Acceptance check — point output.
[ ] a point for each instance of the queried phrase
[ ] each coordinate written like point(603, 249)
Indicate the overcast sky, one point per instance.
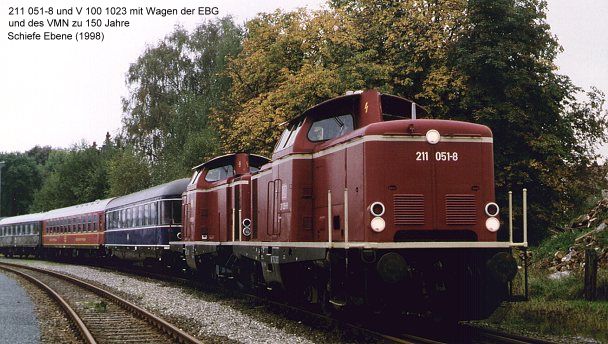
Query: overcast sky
point(58, 93)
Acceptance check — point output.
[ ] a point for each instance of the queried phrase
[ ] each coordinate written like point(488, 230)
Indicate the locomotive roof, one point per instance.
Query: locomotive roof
point(339, 102)
point(176, 187)
point(256, 160)
point(85, 208)
point(21, 219)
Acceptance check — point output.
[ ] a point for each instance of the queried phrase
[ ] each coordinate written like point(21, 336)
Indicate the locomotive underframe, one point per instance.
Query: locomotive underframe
point(459, 282)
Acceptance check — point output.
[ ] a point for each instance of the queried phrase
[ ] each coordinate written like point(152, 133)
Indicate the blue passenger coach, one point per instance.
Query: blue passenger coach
point(141, 225)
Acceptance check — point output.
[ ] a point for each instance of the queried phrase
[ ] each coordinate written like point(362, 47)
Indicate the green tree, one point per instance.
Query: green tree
point(128, 172)
point(40, 154)
point(20, 180)
point(76, 176)
point(172, 88)
point(544, 139)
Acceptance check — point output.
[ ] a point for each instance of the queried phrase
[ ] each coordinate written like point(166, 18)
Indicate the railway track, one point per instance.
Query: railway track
point(463, 333)
point(98, 315)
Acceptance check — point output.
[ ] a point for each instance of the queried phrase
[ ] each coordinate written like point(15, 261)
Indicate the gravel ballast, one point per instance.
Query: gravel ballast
point(202, 315)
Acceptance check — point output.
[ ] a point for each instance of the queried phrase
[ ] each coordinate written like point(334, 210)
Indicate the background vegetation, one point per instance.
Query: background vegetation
point(225, 87)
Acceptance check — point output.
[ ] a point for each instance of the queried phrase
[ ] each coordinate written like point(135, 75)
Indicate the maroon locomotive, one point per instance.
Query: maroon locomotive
point(362, 205)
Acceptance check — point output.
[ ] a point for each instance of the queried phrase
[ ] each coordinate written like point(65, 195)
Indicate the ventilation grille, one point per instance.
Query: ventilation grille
point(409, 209)
point(460, 210)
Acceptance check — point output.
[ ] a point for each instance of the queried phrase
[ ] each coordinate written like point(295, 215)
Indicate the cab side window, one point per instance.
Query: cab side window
point(329, 128)
point(289, 136)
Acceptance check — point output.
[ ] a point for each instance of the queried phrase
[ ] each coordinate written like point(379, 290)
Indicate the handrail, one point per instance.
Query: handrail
point(524, 242)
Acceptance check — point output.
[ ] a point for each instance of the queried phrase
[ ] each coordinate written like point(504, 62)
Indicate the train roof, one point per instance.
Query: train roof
point(85, 208)
point(21, 219)
point(391, 101)
point(176, 187)
point(255, 160)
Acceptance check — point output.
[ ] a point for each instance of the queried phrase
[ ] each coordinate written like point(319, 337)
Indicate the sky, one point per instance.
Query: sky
point(59, 93)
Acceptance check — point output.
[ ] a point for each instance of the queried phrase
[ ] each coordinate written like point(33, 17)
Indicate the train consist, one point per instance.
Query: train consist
point(362, 206)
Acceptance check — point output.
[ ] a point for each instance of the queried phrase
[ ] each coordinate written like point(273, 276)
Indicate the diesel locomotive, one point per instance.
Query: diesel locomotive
point(363, 205)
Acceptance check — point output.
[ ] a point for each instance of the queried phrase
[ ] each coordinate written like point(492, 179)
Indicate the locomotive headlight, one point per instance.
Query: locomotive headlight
point(378, 224)
point(492, 209)
point(433, 136)
point(492, 224)
point(377, 209)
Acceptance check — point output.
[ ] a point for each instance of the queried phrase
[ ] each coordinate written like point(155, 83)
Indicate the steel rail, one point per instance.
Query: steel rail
point(82, 328)
point(497, 336)
point(168, 328)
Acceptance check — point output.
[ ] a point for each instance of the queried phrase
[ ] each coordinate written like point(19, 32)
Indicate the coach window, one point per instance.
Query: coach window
point(154, 213)
point(219, 173)
point(171, 212)
point(329, 128)
point(147, 214)
point(165, 213)
point(140, 221)
point(134, 217)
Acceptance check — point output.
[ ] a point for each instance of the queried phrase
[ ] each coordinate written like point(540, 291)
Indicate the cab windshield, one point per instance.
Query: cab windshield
point(329, 128)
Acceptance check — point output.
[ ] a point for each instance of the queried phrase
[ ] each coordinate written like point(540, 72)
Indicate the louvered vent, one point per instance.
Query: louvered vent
point(409, 209)
point(460, 210)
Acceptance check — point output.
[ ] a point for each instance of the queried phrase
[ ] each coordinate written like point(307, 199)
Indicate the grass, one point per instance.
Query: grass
point(559, 242)
point(557, 306)
point(97, 306)
point(564, 318)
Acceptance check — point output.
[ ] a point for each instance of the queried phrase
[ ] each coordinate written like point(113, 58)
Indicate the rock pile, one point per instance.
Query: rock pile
point(596, 238)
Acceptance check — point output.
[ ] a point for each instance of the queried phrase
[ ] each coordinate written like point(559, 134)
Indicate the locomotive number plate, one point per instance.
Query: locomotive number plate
point(439, 156)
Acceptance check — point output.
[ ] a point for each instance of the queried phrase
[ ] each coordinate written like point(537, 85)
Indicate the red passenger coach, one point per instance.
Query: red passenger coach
point(362, 205)
point(75, 230)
